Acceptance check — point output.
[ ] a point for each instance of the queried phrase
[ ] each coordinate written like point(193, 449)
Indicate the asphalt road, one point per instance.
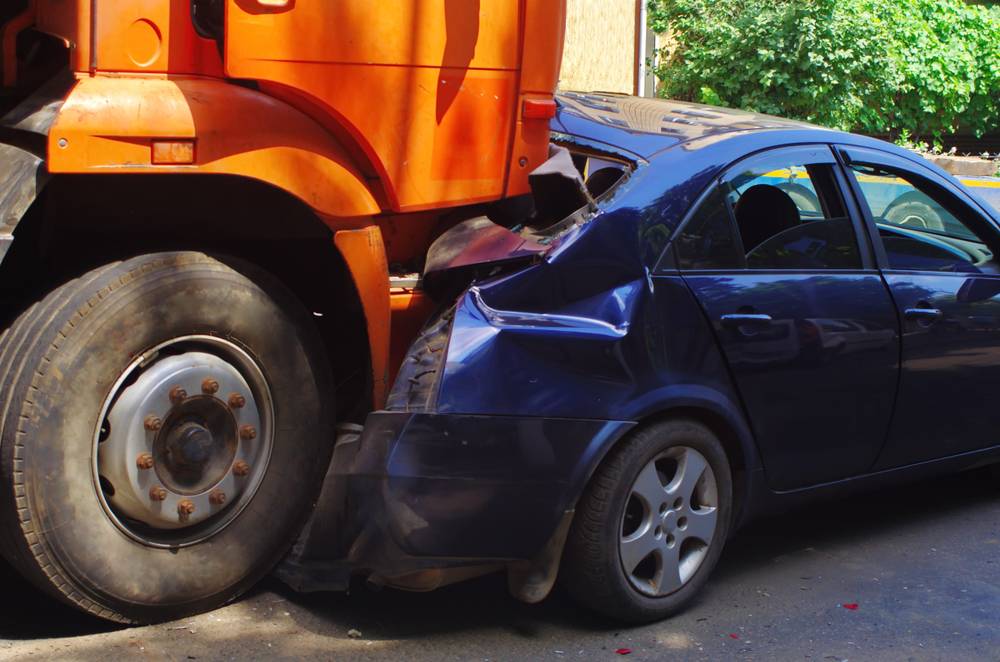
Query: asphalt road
point(922, 564)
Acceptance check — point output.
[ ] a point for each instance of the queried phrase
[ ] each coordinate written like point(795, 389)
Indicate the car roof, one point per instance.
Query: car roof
point(646, 126)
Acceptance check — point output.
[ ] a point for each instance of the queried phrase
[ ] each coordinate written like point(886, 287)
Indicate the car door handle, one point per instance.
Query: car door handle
point(745, 319)
point(922, 314)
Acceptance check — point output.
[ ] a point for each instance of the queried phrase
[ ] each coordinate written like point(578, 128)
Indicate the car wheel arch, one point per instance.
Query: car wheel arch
point(733, 435)
point(732, 432)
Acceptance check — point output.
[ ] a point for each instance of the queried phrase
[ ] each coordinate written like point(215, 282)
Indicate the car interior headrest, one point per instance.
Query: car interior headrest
point(762, 212)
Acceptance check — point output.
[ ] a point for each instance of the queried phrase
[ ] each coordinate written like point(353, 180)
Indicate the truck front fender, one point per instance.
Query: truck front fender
point(195, 125)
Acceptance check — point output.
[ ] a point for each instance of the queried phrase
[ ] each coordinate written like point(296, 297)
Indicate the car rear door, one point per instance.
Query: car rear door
point(800, 311)
point(937, 250)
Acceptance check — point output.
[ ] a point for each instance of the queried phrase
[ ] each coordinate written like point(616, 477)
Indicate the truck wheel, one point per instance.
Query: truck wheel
point(165, 423)
point(651, 524)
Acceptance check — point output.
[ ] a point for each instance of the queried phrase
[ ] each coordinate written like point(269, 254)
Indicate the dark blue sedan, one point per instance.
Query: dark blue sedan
point(703, 315)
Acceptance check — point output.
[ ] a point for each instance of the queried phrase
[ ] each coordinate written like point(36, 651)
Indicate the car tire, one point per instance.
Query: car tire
point(614, 518)
point(92, 350)
point(913, 210)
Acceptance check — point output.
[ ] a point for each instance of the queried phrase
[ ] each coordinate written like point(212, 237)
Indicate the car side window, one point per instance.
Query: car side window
point(709, 239)
point(919, 224)
point(780, 210)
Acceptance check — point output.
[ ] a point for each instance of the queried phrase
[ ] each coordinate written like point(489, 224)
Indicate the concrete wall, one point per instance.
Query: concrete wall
point(599, 51)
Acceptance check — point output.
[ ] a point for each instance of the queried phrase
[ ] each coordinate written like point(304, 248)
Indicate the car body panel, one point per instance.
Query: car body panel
point(818, 413)
point(936, 415)
point(424, 486)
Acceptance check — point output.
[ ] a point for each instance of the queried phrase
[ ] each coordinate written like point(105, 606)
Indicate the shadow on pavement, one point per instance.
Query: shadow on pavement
point(484, 603)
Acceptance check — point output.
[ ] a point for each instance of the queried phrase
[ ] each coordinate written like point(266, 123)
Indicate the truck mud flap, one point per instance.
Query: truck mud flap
point(22, 177)
point(23, 136)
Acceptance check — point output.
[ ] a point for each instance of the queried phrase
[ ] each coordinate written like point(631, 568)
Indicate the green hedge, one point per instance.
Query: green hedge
point(924, 68)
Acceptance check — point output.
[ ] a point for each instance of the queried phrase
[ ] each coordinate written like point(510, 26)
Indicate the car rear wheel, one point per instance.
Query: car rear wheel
point(651, 524)
point(165, 425)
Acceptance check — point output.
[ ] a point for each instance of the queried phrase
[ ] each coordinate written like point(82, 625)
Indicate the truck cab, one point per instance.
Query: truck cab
point(236, 198)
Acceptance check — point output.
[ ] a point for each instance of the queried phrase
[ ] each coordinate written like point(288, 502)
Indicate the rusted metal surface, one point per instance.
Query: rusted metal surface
point(177, 394)
point(185, 508)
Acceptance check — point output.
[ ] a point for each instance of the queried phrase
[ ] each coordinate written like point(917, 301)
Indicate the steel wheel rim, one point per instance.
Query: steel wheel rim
point(668, 522)
point(145, 502)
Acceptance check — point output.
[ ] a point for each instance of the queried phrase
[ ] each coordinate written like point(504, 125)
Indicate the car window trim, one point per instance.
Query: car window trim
point(780, 272)
point(833, 162)
point(849, 154)
point(925, 272)
point(669, 261)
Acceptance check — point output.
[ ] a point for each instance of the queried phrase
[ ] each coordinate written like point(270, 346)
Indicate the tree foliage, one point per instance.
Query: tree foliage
point(929, 67)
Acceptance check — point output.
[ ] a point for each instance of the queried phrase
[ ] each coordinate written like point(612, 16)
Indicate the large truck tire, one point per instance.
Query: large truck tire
point(165, 423)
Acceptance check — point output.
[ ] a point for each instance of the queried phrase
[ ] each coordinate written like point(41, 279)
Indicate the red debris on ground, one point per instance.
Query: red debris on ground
point(853, 606)
point(733, 635)
point(623, 651)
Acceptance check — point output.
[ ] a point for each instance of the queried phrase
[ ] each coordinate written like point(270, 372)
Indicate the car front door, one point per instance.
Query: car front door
point(801, 313)
point(937, 249)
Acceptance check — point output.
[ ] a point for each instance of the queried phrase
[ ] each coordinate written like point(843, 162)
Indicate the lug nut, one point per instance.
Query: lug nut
point(177, 395)
point(185, 508)
point(248, 432)
point(241, 469)
point(157, 493)
point(209, 386)
point(236, 401)
point(152, 423)
point(144, 461)
point(217, 497)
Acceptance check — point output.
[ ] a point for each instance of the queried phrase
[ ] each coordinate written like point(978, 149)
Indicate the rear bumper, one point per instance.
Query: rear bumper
point(420, 491)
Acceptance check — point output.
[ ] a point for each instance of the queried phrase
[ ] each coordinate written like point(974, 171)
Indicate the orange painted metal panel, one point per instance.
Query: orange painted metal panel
point(544, 29)
point(427, 88)
point(69, 20)
point(477, 34)
point(154, 36)
point(109, 125)
point(364, 253)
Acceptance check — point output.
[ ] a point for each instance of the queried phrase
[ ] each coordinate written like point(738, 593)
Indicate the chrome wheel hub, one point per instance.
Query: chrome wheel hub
point(185, 440)
point(669, 521)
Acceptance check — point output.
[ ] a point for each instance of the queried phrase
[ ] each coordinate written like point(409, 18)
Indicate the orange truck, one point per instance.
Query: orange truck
point(244, 189)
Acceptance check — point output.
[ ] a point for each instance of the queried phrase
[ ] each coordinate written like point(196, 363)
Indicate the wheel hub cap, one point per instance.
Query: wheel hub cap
point(196, 446)
point(174, 463)
point(669, 521)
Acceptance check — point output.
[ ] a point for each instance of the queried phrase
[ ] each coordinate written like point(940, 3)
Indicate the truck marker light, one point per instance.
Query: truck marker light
point(539, 109)
point(173, 152)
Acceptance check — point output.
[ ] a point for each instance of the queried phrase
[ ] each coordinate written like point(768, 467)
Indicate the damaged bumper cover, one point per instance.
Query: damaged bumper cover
point(420, 491)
